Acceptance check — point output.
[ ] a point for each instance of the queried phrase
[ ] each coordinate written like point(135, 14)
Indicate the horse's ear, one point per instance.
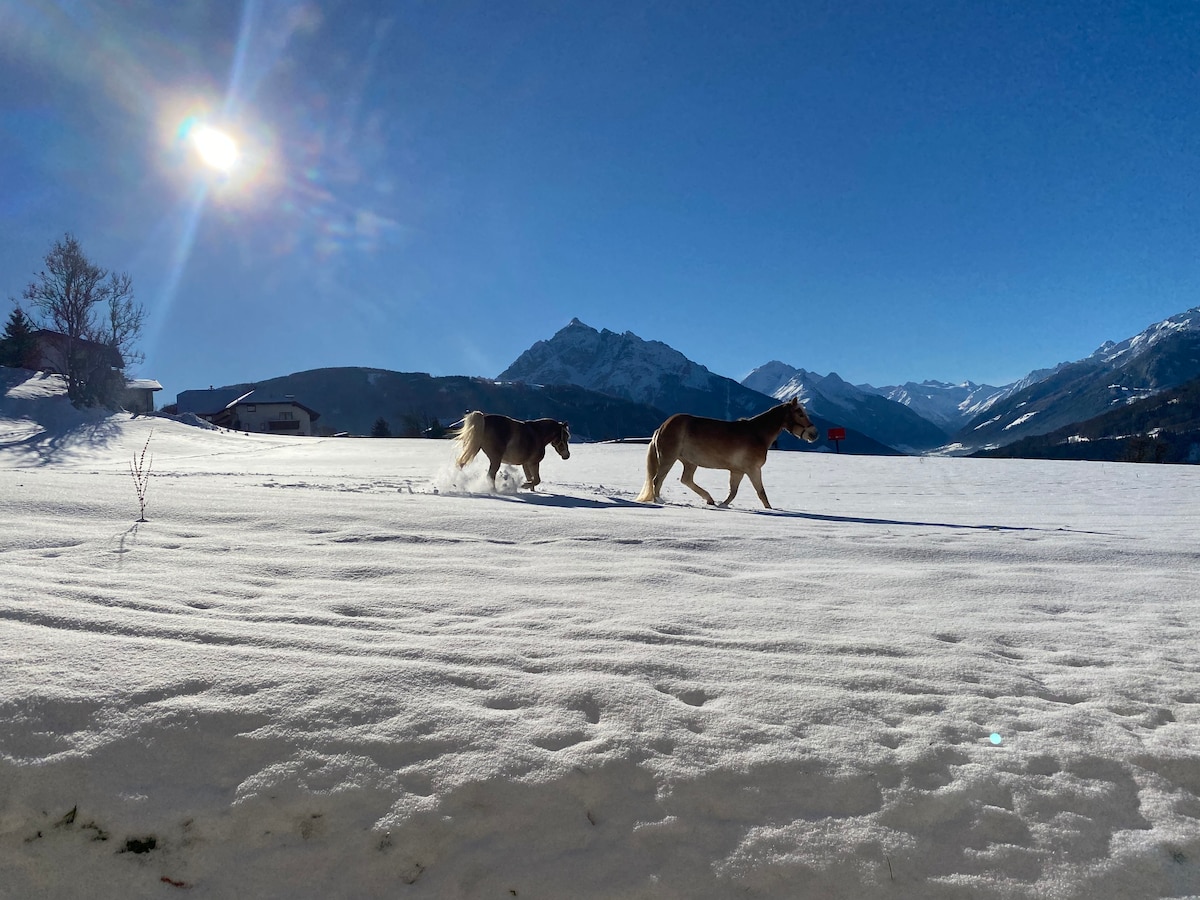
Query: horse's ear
point(795, 401)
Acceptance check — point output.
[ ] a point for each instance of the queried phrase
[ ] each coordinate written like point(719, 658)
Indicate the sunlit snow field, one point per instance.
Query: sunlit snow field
point(336, 668)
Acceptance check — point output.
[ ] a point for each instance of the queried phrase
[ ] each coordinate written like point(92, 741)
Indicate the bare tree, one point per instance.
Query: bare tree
point(95, 313)
point(123, 324)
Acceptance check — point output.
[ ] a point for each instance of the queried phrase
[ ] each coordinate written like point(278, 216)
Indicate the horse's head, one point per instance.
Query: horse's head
point(560, 440)
point(796, 421)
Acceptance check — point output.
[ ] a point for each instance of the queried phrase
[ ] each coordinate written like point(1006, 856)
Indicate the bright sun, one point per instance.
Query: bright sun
point(216, 148)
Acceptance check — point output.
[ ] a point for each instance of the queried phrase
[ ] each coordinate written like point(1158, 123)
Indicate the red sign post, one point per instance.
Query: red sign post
point(836, 434)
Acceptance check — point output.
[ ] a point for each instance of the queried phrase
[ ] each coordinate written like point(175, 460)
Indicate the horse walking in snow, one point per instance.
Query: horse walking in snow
point(511, 441)
point(740, 446)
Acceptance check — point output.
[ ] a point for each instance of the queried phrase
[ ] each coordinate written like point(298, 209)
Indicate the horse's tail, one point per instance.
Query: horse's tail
point(470, 437)
point(652, 463)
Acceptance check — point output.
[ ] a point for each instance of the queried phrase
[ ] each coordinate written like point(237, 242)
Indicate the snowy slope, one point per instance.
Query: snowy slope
point(335, 668)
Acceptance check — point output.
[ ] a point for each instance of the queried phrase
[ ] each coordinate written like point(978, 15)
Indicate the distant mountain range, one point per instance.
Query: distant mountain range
point(1162, 428)
point(650, 372)
point(888, 421)
point(975, 417)
point(619, 386)
point(949, 406)
point(1164, 356)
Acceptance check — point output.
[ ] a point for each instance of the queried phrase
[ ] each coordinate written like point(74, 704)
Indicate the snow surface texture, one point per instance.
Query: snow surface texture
point(324, 668)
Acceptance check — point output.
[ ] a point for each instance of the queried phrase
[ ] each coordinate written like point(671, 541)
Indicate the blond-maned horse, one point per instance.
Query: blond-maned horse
point(740, 446)
point(511, 441)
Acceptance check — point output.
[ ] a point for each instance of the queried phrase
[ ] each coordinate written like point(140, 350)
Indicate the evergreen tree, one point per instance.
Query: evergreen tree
point(18, 346)
point(380, 429)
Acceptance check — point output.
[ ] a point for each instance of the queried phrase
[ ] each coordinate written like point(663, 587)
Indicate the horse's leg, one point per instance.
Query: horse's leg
point(689, 469)
point(533, 476)
point(735, 479)
point(664, 469)
point(494, 468)
point(756, 480)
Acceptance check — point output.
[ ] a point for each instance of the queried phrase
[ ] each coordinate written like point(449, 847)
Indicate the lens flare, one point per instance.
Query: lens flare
point(216, 148)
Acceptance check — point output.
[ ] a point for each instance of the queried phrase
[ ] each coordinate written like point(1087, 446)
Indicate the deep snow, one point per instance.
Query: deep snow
point(337, 668)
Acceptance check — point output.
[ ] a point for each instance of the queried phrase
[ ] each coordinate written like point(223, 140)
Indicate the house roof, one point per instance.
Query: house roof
point(213, 401)
point(143, 384)
point(257, 399)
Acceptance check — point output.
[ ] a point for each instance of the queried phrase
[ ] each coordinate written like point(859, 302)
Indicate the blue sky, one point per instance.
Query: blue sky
point(892, 191)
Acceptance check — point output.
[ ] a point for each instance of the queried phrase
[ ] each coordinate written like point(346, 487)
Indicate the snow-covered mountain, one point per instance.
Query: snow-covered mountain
point(1164, 356)
point(948, 405)
point(770, 378)
point(620, 364)
point(1162, 428)
point(650, 372)
point(910, 417)
point(883, 418)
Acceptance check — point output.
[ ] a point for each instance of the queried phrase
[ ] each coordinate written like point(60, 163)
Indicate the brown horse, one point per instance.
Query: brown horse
point(741, 447)
point(511, 441)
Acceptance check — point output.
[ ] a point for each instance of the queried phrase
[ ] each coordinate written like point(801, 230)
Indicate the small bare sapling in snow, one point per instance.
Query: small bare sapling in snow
point(139, 468)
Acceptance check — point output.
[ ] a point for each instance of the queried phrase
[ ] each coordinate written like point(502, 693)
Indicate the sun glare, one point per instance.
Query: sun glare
point(232, 160)
point(216, 148)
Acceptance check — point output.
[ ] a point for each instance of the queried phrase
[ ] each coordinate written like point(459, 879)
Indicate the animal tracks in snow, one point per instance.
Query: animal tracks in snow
point(689, 696)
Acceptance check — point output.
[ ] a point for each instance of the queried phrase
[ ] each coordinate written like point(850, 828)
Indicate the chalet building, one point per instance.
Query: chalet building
point(139, 395)
point(249, 411)
point(53, 349)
